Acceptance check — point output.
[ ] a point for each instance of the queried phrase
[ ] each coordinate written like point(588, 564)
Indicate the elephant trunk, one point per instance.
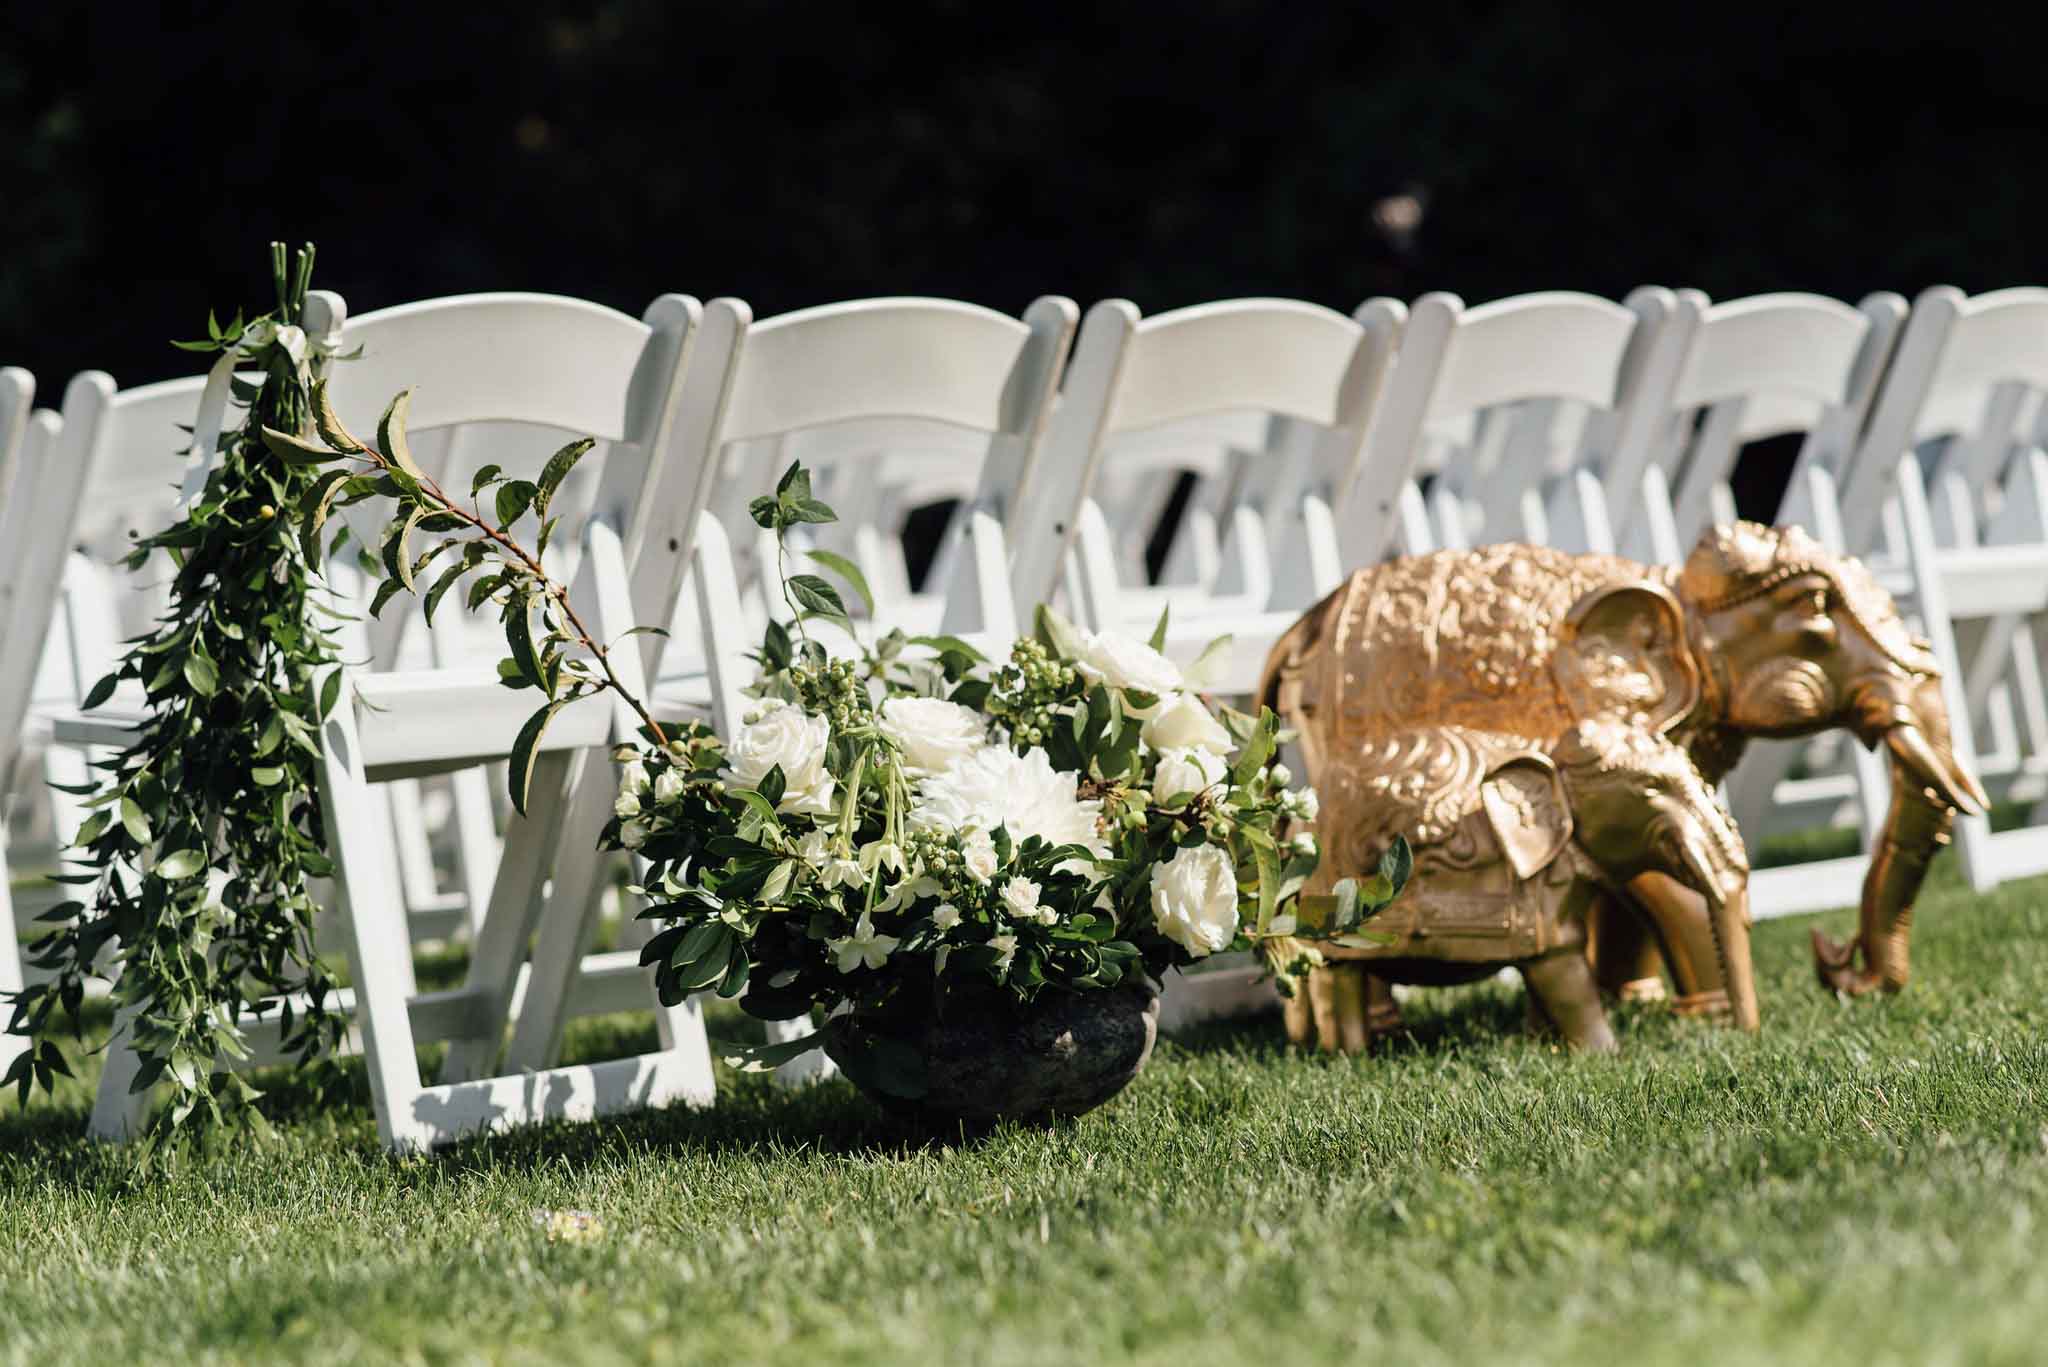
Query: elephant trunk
point(1928, 788)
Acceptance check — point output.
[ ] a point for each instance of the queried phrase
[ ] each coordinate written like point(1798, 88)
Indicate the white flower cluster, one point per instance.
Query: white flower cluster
point(923, 841)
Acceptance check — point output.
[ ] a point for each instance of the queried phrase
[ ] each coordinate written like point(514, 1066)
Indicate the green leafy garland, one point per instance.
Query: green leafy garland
point(207, 828)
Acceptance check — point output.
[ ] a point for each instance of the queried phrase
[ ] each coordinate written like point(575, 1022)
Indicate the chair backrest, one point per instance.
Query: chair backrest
point(921, 360)
point(505, 378)
point(1954, 354)
point(57, 484)
point(1454, 362)
point(1280, 357)
point(541, 360)
point(17, 397)
point(1752, 369)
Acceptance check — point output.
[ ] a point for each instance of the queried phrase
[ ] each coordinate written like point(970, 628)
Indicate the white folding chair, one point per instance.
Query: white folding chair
point(1973, 560)
point(922, 360)
point(1276, 357)
point(17, 398)
point(1565, 368)
point(541, 361)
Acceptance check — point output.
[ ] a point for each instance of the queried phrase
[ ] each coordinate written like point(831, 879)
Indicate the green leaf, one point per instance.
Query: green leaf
point(848, 571)
point(297, 451)
point(133, 819)
point(815, 594)
point(515, 496)
point(557, 468)
point(181, 864)
point(391, 435)
point(1056, 633)
point(314, 507)
point(386, 591)
point(401, 561)
point(442, 585)
point(101, 691)
point(1158, 641)
point(267, 776)
point(519, 637)
point(202, 675)
point(766, 513)
point(519, 771)
point(483, 477)
point(330, 692)
point(329, 423)
point(1198, 675)
point(763, 1058)
point(808, 510)
point(1398, 863)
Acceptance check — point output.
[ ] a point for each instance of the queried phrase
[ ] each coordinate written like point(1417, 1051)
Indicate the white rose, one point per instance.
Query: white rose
point(1280, 775)
point(669, 786)
point(1023, 794)
point(785, 735)
point(932, 732)
point(1020, 899)
point(1304, 843)
point(980, 853)
point(1182, 723)
point(632, 777)
point(1305, 804)
point(632, 835)
point(1122, 662)
point(945, 916)
point(1186, 771)
point(628, 804)
point(1194, 899)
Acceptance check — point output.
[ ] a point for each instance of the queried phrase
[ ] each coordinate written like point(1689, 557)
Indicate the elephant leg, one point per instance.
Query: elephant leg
point(1623, 947)
point(1563, 984)
point(1341, 1006)
point(1685, 930)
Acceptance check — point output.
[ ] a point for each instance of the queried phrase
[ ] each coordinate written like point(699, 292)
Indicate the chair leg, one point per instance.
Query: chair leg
point(476, 842)
point(11, 979)
point(118, 1111)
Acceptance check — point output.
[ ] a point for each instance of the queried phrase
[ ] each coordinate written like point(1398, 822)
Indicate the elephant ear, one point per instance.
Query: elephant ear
point(1622, 657)
point(1525, 804)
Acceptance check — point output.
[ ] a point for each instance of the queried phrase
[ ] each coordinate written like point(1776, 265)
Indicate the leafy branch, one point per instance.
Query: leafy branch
point(204, 834)
point(565, 661)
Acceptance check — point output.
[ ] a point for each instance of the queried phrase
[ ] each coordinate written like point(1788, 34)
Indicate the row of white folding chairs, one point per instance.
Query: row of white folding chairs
point(1103, 387)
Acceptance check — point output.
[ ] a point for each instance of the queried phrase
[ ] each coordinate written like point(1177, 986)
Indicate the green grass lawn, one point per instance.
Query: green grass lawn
point(1864, 1183)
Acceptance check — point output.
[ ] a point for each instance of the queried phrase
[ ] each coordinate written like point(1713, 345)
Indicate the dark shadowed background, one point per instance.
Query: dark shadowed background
point(795, 154)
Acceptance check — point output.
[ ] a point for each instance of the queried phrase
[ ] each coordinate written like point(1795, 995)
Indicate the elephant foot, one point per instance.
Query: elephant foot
point(1835, 966)
point(1642, 990)
point(1341, 1006)
point(1709, 1003)
point(1564, 986)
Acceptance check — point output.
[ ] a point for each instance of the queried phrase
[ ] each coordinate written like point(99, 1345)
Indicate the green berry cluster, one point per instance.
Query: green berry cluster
point(836, 692)
point(935, 856)
point(1034, 685)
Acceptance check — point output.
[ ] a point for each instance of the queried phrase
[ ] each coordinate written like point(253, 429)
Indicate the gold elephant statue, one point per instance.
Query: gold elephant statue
point(1432, 695)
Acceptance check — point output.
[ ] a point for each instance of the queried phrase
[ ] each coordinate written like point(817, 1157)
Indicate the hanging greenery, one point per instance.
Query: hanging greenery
point(205, 832)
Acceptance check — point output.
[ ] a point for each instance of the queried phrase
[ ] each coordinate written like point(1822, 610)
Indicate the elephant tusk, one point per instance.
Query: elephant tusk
point(1956, 785)
point(1702, 869)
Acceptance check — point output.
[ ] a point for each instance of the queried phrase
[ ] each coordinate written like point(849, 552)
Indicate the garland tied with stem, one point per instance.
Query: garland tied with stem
point(206, 830)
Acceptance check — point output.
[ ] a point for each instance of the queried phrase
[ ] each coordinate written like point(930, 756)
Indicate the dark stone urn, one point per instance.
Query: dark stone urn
point(977, 1058)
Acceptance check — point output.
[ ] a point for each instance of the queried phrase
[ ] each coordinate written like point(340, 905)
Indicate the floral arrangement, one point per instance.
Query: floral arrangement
point(909, 822)
point(888, 826)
